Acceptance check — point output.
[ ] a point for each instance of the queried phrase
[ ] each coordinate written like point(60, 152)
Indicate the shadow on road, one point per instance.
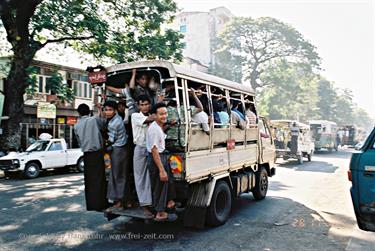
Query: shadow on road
point(341, 153)
point(58, 221)
point(44, 173)
point(313, 166)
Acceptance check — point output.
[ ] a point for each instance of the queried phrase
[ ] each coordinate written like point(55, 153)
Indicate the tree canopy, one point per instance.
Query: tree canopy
point(121, 30)
point(256, 44)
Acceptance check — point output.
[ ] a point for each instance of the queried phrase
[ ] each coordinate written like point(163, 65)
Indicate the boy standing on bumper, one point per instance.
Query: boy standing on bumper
point(140, 122)
point(163, 193)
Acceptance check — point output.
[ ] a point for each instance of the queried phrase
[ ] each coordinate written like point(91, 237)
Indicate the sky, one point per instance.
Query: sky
point(342, 31)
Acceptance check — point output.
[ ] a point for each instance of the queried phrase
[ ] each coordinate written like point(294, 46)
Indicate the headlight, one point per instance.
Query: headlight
point(15, 161)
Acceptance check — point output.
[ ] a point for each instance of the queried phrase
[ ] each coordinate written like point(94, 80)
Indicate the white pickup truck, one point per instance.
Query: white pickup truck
point(43, 154)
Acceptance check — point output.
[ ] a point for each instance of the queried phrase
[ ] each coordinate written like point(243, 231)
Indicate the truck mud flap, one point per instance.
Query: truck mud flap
point(199, 200)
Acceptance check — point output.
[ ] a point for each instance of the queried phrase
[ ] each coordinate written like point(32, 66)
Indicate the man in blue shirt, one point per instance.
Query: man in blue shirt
point(118, 187)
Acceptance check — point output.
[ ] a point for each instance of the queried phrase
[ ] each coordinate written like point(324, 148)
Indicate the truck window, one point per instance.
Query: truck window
point(55, 146)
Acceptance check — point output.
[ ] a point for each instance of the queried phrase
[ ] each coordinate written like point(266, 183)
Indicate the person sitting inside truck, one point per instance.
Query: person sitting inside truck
point(175, 134)
point(220, 115)
point(88, 132)
point(238, 117)
point(201, 118)
point(251, 116)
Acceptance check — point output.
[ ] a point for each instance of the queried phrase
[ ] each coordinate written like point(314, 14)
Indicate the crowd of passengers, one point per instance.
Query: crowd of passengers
point(136, 132)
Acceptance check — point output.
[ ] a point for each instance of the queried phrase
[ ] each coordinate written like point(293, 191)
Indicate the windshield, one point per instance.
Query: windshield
point(38, 146)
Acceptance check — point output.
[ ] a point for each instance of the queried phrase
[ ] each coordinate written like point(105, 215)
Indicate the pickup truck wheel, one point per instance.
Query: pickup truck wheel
point(221, 204)
point(80, 165)
point(261, 184)
point(32, 170)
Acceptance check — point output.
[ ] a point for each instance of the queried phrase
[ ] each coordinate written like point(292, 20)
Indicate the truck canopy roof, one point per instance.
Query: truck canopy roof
point(178, 70)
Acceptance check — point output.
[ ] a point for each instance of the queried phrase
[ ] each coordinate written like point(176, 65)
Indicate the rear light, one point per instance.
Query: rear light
point(176, 163)
point(350, 175)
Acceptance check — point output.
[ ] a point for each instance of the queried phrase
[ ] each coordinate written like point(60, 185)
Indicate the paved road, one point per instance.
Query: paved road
point(308, 207)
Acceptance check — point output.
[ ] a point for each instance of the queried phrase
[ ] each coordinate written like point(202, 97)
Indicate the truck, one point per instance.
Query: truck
point(361, 174)
point(292, 147)
point(209, 169)
point(324, 134)
point(42, 155)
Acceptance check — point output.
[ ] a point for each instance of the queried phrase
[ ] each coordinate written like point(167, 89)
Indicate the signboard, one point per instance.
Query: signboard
point(97, 77)
point(71, 120)
point(60, 120)
point(46, 110)
point(231, 144)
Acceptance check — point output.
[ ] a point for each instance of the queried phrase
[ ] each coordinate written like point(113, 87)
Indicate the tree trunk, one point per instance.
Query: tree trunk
point(14, 89)
point(254, 75)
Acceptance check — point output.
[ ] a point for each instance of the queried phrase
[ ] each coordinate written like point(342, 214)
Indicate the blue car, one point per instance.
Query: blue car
point(362, 175)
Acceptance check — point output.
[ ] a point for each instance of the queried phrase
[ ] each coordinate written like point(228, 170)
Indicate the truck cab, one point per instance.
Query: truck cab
point(362, 176)
point(42, 154)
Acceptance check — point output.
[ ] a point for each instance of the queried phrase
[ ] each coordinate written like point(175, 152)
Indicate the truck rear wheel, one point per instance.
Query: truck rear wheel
point(221, 204)
point(32, 170)
point(261, 184)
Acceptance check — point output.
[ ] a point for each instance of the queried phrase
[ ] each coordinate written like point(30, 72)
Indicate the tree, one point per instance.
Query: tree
point(122, 30)
point(259, 43)
point(292, 93)
point(327, 100)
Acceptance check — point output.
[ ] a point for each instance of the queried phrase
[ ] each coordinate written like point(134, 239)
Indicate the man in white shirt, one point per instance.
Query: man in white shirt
point(163, 193)
point(140, 122)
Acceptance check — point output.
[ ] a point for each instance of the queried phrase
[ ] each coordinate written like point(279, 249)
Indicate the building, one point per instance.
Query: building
point(200, 29)
point(54, 117)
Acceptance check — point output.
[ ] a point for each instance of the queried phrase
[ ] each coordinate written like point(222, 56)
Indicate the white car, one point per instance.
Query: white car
point(43, 154)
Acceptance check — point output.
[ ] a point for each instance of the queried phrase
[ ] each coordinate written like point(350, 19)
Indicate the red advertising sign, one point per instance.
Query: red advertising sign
point(231, 144)
point(97, 77)
point(71, 120)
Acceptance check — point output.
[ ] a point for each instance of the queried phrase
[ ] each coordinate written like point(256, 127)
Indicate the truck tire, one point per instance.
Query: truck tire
point(220, 206)
point(80, 165)
point(32, 170)
point(261, 184)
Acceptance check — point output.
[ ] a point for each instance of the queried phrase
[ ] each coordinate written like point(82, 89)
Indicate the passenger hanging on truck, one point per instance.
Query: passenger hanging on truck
point(140, 124)
point(162, 184)
point(118, 183)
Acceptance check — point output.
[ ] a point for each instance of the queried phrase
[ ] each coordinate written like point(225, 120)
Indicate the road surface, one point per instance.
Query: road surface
point(308, 207)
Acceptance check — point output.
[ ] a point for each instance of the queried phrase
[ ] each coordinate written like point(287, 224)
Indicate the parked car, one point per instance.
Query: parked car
point(43, 154)
point(362, 176)
point(302, 145)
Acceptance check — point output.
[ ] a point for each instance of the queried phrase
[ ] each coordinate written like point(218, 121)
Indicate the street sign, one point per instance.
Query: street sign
point(97, 77)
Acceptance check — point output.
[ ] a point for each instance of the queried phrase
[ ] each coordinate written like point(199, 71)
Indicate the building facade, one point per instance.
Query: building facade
point(64, 115)
point(200, 29)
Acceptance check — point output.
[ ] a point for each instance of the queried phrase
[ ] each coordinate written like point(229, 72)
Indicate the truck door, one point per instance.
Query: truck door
point(56, 155)
point(366, 185)
point(266, 143)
